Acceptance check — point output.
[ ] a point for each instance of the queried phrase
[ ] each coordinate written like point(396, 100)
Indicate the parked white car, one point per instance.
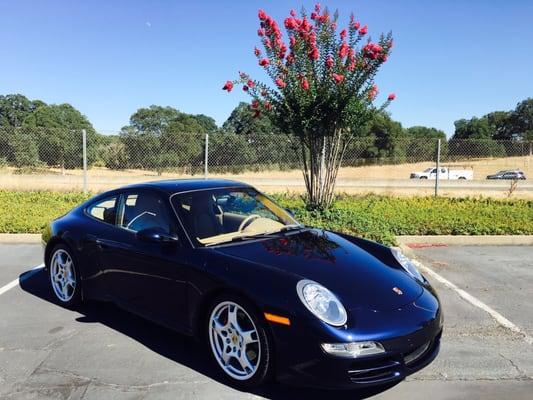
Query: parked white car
point(445, 173)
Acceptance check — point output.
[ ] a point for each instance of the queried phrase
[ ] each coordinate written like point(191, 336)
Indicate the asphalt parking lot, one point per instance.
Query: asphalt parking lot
point(100, 352)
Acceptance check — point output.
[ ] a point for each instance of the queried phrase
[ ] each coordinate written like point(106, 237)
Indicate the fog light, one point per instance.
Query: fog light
point(354, 349)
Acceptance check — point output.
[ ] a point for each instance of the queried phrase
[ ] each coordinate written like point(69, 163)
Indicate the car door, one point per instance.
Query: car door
point(99, 226)
point(509, 175)
point(150, 278)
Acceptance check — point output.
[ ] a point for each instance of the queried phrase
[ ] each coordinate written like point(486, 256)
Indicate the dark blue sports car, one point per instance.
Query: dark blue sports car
point(271, 298)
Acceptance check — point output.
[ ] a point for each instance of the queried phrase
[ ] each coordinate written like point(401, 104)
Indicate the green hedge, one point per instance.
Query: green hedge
point(28, 212)
point(379, 218)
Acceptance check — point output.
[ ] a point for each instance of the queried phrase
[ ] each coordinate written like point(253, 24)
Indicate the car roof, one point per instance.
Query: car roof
point(185, 185)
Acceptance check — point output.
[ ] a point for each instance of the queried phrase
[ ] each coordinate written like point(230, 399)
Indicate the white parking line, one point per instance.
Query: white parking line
point(22, 278)
point(500, 319)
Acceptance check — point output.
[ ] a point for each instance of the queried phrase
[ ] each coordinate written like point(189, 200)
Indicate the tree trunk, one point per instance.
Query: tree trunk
point(321, 158)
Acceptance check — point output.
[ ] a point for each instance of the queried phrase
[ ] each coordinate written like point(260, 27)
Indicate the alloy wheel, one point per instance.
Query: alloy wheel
point(62, 275)
point(234, 340)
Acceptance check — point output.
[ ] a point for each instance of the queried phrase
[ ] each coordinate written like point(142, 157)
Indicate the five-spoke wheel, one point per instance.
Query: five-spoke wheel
point(238, 341)
point(63, 275)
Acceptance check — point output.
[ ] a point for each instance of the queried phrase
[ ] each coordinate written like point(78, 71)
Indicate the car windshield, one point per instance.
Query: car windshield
point(428, 170)
point(228, 214)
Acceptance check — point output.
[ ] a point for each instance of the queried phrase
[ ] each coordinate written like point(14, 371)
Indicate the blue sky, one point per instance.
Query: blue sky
point(452, 58)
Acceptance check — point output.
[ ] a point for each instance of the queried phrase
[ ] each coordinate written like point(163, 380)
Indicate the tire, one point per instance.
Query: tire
point(462, 178)
point(423, 177)
point(246, 365)
point(64, 276)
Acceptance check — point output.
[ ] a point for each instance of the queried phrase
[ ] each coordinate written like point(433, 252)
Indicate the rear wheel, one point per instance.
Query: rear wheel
point(64, 276)
point(238, 341)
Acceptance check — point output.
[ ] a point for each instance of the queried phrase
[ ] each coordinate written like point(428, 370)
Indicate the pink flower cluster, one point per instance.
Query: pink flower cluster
point(272, 34)
point(228, 86)
point(303, 29)
point(372, 51)
point(356, 25)
point(304, 83)
point(338, 78)
point(373, 92)
point(280, 83)
point(317, 17)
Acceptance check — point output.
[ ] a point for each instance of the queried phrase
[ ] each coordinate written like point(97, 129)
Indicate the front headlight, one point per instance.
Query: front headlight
point(321, 302)
point(407, 264)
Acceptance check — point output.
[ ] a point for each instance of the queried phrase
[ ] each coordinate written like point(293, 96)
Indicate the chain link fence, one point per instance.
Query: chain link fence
point(50, 158)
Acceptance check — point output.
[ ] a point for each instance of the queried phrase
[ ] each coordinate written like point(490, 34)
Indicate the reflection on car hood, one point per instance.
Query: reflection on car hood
point(357, 277)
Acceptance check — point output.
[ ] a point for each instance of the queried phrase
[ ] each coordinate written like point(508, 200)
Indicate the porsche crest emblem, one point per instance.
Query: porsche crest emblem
point(398, 291)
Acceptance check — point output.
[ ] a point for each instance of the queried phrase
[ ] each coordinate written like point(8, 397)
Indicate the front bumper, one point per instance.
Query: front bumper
point(410, 336)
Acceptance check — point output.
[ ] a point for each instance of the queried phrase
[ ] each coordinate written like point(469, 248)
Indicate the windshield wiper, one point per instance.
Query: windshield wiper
point(294, 227)
point(266, 235)
point(258, 236)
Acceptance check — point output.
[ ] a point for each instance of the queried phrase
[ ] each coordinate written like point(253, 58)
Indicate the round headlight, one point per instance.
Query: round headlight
point(407, 264)
point(321, 302)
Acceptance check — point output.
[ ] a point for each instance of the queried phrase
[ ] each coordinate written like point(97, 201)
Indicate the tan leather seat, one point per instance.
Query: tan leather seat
point(203, 219)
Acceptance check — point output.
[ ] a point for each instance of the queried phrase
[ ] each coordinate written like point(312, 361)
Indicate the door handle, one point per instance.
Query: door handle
point(92, 239)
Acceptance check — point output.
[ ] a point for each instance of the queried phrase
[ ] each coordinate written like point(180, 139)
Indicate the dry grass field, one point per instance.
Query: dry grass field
point(383, 179)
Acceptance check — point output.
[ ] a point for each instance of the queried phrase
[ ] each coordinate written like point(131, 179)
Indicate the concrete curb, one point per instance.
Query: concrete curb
point(465, 240)
point(407, 240)
point(20, 238)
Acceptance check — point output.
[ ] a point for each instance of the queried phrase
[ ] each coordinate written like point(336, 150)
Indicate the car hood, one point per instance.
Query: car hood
point(356, 276)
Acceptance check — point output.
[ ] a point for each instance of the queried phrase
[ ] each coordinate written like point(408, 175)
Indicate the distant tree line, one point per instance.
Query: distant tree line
point(34, 134)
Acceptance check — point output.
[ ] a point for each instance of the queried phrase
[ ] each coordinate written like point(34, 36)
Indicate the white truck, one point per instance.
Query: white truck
point(445, 173)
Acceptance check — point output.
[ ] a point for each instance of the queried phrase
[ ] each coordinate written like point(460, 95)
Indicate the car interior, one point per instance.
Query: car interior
point(144, 211)
point(140, 211)
point(208, 215)
point(205, 214)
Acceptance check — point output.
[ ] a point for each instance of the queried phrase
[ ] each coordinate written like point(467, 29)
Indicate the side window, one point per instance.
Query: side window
point(105, 210)
point(434, 171)
point(442, 171)
point(144, 210)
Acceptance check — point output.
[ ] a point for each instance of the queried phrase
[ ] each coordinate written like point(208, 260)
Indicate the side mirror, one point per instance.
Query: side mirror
point(156, 235)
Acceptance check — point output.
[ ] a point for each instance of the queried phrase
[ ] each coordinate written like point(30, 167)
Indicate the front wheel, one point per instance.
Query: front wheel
point(239, 342)
point(64, 276)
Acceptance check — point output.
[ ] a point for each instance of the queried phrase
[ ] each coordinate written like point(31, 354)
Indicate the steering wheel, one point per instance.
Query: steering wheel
point(247, 221)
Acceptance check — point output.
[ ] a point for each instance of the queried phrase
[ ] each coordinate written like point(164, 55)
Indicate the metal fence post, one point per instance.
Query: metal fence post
point(84, 150)
point(206, 159)
point(438, 169)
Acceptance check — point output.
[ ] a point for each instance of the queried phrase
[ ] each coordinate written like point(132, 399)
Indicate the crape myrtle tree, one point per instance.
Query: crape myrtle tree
point(323, 89)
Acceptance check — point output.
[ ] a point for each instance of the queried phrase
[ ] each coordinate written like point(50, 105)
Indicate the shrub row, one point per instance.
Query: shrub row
point(378, 218)
point(381, 218)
